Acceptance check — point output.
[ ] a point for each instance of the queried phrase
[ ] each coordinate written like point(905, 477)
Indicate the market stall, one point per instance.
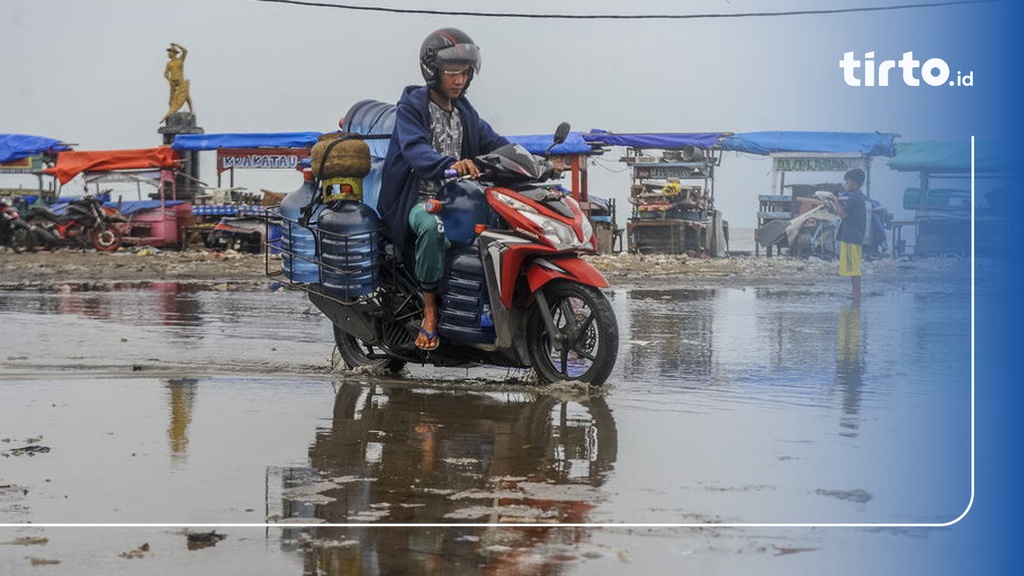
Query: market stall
point(792, 215)
point(672, 191)
point(231, 211)
point(27, 155)
point(155, 220)
point(942, 202)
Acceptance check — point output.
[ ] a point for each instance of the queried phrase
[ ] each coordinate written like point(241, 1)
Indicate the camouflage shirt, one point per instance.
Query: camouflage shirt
point(445, 137)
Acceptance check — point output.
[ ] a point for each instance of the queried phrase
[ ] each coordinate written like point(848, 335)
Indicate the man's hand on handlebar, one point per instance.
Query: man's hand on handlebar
point(466, 167)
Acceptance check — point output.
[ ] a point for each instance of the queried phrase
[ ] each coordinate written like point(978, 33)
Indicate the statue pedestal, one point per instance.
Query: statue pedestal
point(179, 123)
point(188, 177)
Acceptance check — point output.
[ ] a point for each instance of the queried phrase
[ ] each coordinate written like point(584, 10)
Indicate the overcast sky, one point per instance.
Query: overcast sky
point(91, 72)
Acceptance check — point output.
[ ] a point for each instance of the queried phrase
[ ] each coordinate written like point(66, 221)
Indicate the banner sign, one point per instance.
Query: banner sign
point(27, 164)
point(662, 171)
point(260, 158)
point(816, 163)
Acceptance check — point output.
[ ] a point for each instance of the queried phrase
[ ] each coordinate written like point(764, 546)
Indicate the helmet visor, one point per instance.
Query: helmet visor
point(460, 54)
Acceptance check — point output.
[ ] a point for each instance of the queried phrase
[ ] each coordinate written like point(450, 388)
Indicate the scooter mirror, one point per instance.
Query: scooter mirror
point(561, 133)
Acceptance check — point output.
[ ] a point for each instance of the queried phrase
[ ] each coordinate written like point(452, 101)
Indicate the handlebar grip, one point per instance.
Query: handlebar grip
point(451, 173)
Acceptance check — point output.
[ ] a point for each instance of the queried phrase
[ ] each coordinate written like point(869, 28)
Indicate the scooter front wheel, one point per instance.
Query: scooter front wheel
point(585, 340)
point(356, 354)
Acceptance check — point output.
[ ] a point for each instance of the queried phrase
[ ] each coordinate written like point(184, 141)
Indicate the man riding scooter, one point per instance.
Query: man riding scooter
point(436, 130)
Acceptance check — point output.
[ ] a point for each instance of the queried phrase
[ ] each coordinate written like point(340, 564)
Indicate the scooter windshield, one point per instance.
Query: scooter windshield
point(514, 163)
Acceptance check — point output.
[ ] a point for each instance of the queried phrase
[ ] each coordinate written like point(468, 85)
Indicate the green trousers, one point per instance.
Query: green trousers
point(431, 246)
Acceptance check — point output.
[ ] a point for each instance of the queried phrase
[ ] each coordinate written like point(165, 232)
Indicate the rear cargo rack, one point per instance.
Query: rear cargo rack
point(275, 269)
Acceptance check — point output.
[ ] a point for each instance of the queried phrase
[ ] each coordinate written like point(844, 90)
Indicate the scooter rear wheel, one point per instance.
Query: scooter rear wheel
point(356, 354)
point(21, 239)
point(106, 239)
point(587, 339)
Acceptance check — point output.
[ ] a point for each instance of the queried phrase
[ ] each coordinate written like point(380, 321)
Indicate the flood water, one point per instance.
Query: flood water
point(737, 422)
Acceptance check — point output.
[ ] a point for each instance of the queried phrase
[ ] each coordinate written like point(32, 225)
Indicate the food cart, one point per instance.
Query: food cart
point(672, 191)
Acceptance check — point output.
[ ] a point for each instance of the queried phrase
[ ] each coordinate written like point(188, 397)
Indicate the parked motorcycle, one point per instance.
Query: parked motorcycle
point(516, 294)
point(240, 234)
point(15, 233)
point(86, 222)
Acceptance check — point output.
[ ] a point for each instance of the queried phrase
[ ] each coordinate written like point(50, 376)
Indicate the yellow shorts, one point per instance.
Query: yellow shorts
point(849, 259)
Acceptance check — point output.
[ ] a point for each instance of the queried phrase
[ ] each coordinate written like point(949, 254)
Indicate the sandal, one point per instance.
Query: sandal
point(433, 341)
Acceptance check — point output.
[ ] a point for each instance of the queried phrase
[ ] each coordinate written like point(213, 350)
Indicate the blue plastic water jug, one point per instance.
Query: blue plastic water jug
point(298, 242)
point(350, 244)
point(372, 117)
point(465, 206)
point(465, 311)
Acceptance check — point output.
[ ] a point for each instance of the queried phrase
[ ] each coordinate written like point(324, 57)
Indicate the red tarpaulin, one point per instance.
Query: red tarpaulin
point(70, 164)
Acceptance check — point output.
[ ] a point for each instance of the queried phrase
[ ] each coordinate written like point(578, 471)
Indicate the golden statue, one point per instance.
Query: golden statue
point(175, 74)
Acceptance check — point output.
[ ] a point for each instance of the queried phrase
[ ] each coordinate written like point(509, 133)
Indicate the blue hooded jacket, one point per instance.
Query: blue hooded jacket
point(411, 156)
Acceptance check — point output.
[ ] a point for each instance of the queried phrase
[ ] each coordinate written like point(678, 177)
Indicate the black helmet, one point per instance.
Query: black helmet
point(447, 46)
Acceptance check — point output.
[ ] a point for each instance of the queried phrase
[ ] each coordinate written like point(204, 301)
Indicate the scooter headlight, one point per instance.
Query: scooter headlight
point(560, 235)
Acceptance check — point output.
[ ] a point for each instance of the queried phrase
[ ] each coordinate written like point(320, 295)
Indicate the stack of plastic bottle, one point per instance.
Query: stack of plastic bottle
point(215, 210)
point(465, 312)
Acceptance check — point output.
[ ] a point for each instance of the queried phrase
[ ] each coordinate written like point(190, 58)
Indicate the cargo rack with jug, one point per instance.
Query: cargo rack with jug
point(331, 243)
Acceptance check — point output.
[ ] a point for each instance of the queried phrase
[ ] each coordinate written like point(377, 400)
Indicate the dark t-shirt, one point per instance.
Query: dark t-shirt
point(854, 226)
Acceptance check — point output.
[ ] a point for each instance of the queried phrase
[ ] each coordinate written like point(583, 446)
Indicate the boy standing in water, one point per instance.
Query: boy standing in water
point(852, 229)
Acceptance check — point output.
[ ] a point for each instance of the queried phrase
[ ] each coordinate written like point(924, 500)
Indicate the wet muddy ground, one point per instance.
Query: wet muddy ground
point(157, 424)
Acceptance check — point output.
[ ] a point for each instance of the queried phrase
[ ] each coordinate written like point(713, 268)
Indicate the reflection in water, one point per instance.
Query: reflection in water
point(673, 329)
point(147, 303)
point(398, 455)
point(850, 368)
point(182, 400)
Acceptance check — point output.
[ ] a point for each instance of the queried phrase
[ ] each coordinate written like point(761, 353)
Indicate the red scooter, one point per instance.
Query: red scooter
point(85, 222)
point(516, 293)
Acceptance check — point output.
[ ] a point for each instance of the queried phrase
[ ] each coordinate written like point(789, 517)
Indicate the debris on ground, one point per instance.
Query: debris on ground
point(27, 541)
point(141, 552)
point(200, 540)
point(31, 450)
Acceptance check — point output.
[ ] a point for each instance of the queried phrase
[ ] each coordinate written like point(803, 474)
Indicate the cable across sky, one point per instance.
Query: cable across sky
point(555, 16)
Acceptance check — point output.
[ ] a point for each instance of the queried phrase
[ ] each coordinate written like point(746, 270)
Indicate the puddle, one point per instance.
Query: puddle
point(159, 404)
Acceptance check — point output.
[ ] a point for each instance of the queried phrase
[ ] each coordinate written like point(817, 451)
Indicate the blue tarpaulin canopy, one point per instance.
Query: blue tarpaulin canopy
point(243, 140)
point(949, 157)
point(575, 143)
point(764, 143)
point(871, 143)
point(537, 144)
point(667, 141)
point(18, 146)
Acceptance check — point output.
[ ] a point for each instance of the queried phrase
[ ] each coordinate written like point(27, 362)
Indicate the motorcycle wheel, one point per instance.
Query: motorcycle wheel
point(357, 354)
point(106, 239)
point(21, 239)
point(587, 330)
